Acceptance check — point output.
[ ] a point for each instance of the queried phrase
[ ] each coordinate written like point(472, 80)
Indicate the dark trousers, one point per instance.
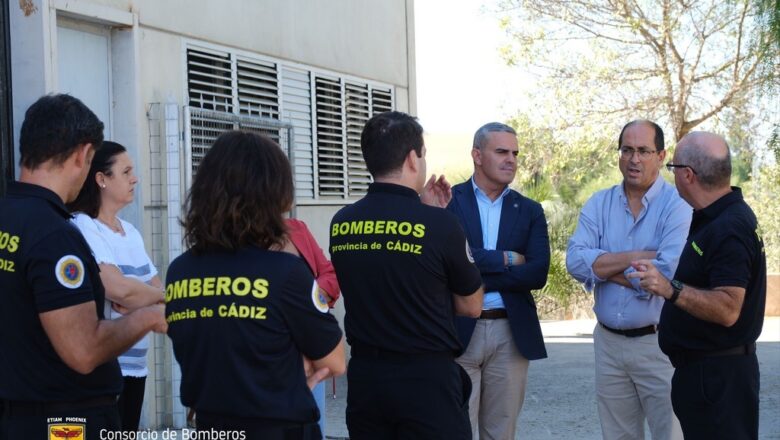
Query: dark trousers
point(257, 429)
point(130, 402)
point(407, 398)
point(717, 397)
point(41, 423)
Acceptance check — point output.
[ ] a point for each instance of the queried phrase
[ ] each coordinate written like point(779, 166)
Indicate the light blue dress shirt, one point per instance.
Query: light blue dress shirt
point(606, 224)
point(490, 219)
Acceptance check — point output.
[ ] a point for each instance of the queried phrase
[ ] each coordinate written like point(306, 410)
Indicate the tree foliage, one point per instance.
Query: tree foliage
point(602, 61)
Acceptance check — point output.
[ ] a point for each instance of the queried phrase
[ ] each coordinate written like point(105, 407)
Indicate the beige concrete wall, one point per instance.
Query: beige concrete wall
point(363, 38)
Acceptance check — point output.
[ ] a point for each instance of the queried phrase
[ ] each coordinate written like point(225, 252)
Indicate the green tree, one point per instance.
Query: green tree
point(609, 61)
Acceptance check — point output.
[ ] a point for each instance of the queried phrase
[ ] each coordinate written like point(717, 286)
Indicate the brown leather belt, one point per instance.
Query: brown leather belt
point(632, 332)
point(493, 314)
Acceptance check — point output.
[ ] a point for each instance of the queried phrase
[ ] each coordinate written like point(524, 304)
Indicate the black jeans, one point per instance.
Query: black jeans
point(413, 398)
point(256, 429)
point(130, 402)
point(717, 397)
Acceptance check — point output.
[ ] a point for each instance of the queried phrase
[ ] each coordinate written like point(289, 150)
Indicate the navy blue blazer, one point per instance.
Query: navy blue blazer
point(523, 229)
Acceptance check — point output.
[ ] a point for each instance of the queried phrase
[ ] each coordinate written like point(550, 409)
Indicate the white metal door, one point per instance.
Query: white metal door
point(84, 68)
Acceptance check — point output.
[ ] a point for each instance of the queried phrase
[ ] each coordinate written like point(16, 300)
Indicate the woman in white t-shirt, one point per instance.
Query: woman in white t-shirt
point(127, 272)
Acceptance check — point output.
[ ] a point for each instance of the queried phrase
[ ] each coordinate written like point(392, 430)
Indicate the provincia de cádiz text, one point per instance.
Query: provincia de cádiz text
point(173, 434)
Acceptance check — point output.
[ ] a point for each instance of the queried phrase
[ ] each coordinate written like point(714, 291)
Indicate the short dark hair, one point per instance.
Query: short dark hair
point(387, 139)
point(54, 126)
point(658, 140)
point(88, 200)
point(480, 137)
point(241, 190)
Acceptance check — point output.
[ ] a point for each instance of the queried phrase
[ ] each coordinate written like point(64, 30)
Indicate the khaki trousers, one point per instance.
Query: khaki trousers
point(633, 382)
point(498, 376)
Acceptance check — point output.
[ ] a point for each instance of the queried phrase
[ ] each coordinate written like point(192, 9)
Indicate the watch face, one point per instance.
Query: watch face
point(677, 285)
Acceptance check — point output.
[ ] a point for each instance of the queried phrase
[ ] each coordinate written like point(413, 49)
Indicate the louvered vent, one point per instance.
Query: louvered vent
point(330, 137)
point(209, 80)
point(358, 113)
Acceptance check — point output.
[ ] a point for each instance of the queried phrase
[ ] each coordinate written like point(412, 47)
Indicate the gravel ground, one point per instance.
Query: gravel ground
point(560, 399)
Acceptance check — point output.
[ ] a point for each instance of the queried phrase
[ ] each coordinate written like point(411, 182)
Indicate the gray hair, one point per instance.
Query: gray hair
point(480, 137)
point(713, 172)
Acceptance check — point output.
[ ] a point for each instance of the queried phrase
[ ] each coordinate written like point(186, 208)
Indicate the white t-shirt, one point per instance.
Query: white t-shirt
point(127, 253)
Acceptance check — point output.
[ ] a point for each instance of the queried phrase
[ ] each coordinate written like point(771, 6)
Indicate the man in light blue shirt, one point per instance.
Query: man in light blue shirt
point(642, 218)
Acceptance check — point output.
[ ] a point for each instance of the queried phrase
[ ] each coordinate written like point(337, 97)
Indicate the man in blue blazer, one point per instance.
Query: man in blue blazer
point(508, 237)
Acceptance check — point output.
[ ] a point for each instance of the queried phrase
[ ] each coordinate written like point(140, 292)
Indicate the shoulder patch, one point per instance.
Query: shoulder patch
point(318, 298)
point(468, 253)
point(69, 271)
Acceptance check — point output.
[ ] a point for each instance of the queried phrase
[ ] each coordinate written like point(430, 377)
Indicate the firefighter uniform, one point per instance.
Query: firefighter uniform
point(45, 265)
point(399, 262)
point(240, 324)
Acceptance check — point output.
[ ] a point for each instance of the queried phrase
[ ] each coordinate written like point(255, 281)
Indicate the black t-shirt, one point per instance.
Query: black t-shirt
point(398, 262)
point(240, 323)
point(724, 248)
point(45, 265)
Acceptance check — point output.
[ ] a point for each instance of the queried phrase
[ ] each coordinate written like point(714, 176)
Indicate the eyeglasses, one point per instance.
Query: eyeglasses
point(628, 152)
point(671, 166)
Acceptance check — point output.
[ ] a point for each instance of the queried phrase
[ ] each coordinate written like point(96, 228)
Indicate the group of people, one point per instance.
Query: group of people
point(436, 283)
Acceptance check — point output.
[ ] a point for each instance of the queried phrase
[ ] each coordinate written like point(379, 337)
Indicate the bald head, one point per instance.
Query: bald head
point(708, 155)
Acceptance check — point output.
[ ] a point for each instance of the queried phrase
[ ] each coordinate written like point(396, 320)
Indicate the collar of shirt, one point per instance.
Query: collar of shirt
point(392, 188)
point(30, 190)
point(650, 195)
point(481, 194)
point(721, 204)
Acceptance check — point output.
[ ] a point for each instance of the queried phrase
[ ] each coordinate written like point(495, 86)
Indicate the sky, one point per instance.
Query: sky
point(462, 82)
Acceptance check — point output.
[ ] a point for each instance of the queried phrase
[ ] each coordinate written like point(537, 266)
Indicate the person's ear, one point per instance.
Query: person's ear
point(411, 160)
point(83, 155)
point(476, 155)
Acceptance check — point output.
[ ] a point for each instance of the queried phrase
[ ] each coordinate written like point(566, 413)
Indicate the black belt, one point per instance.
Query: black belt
point(493, 314)
point(371, 352)
point(682, 358)
point(21, 408)
point(632, 332)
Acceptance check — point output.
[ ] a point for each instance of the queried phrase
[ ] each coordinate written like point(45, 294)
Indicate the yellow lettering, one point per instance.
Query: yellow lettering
point(344, 228)
point(13, 245)
point(419, 230)
point(404, 228)
point(334, 230)
point(391, 227)
point(241, 286)
point(208, 286)
point(368, 227)
point(222, 311)
point(223, 286)
point(232, 311)
point(379, 227)
point(260, 288)
point(195, 287)
point(179, 289)
point(356, 228)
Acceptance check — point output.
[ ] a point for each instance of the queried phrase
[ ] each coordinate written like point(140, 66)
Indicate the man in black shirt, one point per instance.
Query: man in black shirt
point(714, 307)
point(59, 376)
point(404, 268)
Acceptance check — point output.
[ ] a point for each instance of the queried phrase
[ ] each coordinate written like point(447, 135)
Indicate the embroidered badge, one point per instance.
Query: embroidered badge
point(70, 271)
point(468, 253)
point(319, 298)
point(69, 432)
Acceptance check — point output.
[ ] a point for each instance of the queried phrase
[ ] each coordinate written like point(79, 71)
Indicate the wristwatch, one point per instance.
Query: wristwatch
point(677, 287)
